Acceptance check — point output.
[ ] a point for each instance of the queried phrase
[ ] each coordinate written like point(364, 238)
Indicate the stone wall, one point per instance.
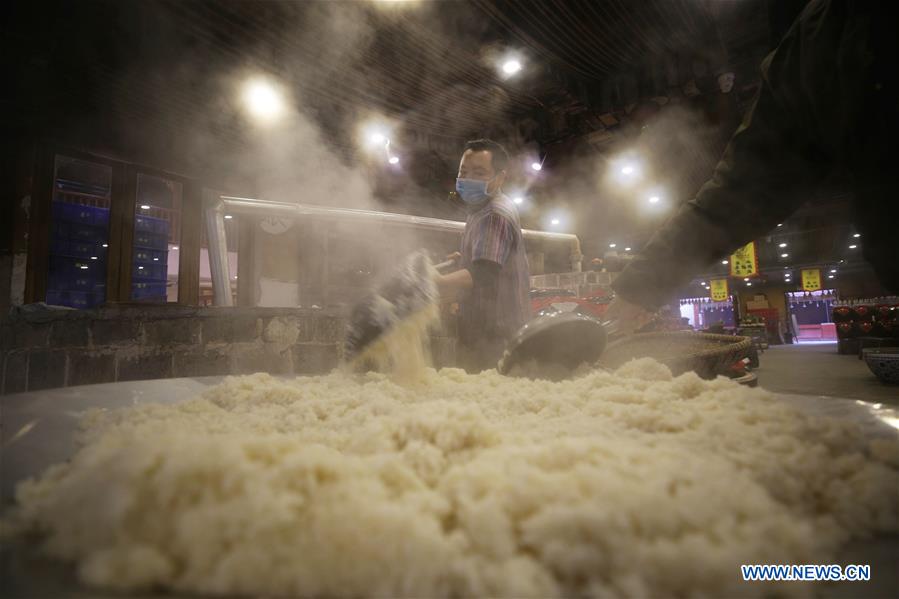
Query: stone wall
point(42, 349)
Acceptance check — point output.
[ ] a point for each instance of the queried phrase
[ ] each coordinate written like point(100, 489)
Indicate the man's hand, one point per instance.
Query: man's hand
point(455, 256)
point(627, 317)
point(451, 286)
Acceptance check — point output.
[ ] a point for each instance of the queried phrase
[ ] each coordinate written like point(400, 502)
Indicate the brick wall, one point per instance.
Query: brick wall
point(46, 349)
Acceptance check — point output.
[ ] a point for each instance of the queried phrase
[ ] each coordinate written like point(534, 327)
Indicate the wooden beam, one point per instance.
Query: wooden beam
point(39, 225)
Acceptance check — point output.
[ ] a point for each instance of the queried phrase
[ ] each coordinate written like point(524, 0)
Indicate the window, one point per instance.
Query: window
point(157, 239)
point(79, 233)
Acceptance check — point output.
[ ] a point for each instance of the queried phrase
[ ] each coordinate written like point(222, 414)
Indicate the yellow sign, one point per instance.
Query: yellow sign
point(718, 289)
point(811, 279)
point(744, 262)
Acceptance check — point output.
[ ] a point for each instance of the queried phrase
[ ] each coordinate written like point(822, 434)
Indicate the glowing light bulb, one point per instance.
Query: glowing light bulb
point(518, 199)
point(393, 160)
point(653, 199)
point(536, 166)
point(262, 100)
point(510, 67)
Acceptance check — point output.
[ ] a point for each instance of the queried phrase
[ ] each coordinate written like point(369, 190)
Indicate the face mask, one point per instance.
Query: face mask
point(472, 191)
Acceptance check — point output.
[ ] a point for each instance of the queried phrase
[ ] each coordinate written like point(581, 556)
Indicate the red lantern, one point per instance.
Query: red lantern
point(844, 329)
point(864, 312)
point(842, 314)
point(865, 327)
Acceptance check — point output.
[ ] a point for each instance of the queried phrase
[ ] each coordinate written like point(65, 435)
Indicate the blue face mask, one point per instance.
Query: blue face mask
point(472, 191)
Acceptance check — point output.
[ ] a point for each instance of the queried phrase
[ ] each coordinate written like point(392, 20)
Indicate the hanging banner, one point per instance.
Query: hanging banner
point(744, 262)
point(811, 279)
point(718, 290)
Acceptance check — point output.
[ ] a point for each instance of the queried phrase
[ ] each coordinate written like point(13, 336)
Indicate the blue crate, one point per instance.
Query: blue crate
point(149, 256)
point(151, 224)
point(85, 215)
point(149, 272)
point(73, 274)
point(153, 241)
point(74, 299)
point(77, 249)
point(87, 233)
point(145, 291)
point(86, 249)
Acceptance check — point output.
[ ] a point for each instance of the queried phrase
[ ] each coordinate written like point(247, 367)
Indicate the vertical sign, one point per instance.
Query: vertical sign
point(718, 290)
point(744, 262)
point(811, 279)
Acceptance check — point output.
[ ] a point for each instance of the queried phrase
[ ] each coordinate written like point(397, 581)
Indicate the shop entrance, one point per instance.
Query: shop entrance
point(810, 315)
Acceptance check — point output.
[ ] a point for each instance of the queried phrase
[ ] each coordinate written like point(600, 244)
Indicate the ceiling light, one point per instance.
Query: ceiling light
point(83, 267)
point(106, 245)
point(228, 217)
point(782, 245)
point(785, 255)
point(833, 270)
point(175, 247)
point(393, 160)
point(853, 246)
point(627, 249)
point(611, 245)
point(263, 100)
point(780, 224)
point(93, 258)
point(510, 67)
point(536, 166)
point(746, 279)
point(155, 259)
point(627, 170)
point(555, 221)
point(725, 262)
point(377, 138)
point(654, 199)
point(857, 235)
point(518, 199)
point(144, 207)
point(749, 284)
point(829, 276)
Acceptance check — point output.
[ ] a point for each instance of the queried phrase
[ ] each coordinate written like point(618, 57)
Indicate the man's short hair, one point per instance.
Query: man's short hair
point(499, 158)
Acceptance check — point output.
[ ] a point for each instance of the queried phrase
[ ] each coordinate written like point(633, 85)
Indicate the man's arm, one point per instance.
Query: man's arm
point(493, 242)
point(767, 171)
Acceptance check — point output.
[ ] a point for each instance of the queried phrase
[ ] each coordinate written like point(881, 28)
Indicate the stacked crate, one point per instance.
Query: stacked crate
point(77, 269)
point(150, 262)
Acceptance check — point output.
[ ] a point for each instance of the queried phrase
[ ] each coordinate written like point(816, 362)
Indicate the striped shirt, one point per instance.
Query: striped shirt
point(493, 233)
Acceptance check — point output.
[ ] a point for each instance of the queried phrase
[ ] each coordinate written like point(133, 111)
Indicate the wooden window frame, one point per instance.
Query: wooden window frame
point(121, 225)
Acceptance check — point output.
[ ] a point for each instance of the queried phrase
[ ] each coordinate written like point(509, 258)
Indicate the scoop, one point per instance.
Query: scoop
point(565, 340)
point(408, 291)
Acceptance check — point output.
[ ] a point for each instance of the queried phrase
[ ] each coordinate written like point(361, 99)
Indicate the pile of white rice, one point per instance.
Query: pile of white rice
point(627, 484)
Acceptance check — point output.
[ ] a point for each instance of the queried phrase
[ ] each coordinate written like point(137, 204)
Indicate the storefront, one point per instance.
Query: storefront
point(810, 314)
point(703, 313)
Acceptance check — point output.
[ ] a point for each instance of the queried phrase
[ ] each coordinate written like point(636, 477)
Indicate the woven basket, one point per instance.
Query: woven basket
point(682, 351)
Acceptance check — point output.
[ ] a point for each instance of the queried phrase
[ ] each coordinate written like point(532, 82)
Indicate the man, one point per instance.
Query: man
point(492, 284)
point(827, 106)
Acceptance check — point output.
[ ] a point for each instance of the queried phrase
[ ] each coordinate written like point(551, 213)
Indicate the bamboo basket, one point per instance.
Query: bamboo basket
point(682, 351)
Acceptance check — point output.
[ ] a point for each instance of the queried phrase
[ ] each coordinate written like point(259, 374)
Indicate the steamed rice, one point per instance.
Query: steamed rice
point(631, 483)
